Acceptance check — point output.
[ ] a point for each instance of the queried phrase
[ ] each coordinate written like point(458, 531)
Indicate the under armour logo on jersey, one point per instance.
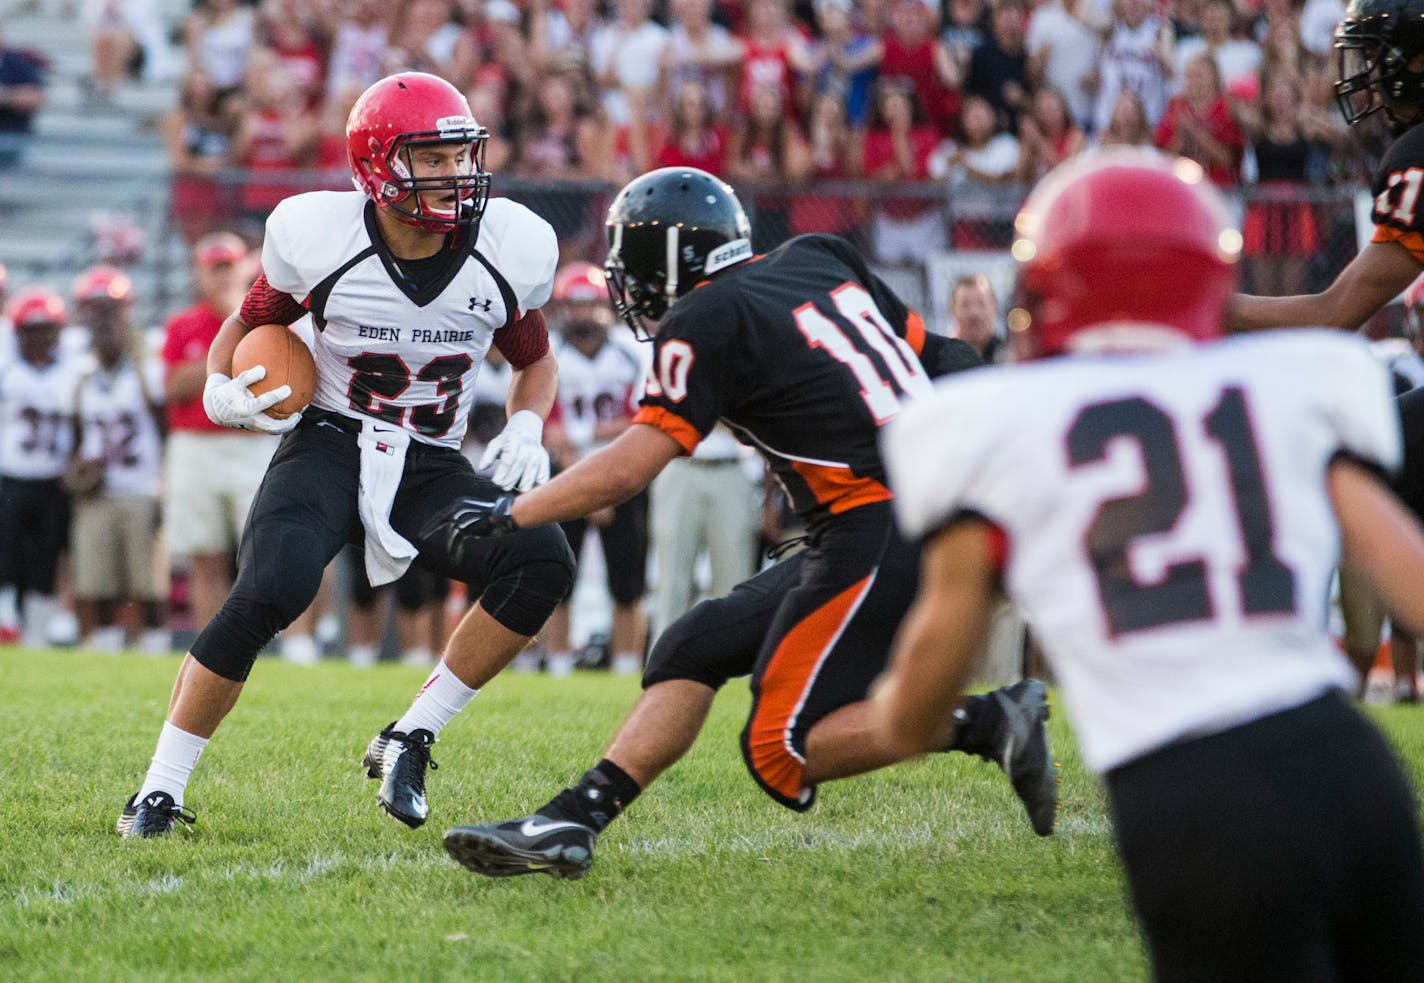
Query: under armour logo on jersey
point(484, 305)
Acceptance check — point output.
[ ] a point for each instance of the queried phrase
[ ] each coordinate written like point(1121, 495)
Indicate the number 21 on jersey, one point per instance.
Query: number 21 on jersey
point(1266, 586)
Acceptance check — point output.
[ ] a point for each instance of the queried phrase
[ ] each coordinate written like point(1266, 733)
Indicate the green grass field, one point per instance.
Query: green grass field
point(925, 872)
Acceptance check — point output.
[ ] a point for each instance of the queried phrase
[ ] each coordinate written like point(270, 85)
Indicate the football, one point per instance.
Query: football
point(288, 360)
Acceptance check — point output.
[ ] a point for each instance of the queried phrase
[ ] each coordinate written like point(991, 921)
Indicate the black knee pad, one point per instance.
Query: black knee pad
point(229, 644)
point(259, 606)
point(413, 589)
point(528, 579)
point(627, 584)
point(696, 647)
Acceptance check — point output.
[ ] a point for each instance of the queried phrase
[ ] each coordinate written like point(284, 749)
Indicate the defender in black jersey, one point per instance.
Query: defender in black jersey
point(1380, 46)
point(805, 354)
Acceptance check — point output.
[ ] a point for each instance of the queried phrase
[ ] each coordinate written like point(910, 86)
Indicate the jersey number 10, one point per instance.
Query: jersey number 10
point(1266, 584)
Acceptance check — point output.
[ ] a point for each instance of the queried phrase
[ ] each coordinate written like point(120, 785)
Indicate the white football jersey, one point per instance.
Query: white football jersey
point(1170, 538)
point(595, 390)
point(37, 418)
point(382, 352)
point(116, 424)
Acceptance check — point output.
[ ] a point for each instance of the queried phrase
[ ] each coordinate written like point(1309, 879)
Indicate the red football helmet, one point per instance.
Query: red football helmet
point(580, 281)
point(396, 115)
point(103, 282)
point(1121, 246)
point(36, 305)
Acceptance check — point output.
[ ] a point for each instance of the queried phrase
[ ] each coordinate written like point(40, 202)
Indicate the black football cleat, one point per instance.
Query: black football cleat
point(402, 791)
point(1022, 750)
point(152, 816)
point(533, 845)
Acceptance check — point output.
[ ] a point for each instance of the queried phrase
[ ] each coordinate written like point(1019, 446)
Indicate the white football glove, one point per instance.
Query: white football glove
point(517, 454)
point(229, 403)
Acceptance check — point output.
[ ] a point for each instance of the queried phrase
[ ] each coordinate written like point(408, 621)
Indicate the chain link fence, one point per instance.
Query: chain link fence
point(918, 235)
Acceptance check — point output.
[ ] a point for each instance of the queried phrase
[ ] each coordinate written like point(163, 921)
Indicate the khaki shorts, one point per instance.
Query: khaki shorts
point(114, 549)
point(210, 480)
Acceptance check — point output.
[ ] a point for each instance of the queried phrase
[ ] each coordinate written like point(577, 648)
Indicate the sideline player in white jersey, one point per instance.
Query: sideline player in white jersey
point(600, 381)
point(1168, 517)
point(409, 281)
point(117, 471)
point(36, 438)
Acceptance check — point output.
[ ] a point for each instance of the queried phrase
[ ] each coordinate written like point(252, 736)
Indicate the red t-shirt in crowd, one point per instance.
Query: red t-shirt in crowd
point(709, 154)
point(189, 335)
point(1218, 125)
point(879, 150)
point(940, 104)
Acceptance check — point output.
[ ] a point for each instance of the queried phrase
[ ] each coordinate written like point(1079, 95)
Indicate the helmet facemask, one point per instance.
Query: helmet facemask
point(634, 298)
point(1374, 76)
point(405, 194)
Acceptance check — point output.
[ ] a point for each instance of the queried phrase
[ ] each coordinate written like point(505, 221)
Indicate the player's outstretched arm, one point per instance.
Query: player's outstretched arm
point(1372, 279)
point(1380, 540)
point(944, 631)
point(609, 477)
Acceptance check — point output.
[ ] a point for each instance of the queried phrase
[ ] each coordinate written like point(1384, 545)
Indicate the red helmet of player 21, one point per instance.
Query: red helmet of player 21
point(1146, 217)
point(390, 122)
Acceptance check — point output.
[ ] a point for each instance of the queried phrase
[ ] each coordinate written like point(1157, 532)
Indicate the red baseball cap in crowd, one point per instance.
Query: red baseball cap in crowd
point(219, 247)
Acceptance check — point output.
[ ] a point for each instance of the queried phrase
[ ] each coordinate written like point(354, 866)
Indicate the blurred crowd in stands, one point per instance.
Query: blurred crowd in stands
point(946, 99)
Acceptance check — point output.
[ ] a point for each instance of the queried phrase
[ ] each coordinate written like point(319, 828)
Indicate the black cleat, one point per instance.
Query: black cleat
point(1022, 750)
point(402, 791)
point(533, 845)
point(153, 816)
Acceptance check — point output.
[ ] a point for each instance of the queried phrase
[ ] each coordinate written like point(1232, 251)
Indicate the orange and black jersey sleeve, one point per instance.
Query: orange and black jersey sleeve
point(1398, 212)
point(805, 354)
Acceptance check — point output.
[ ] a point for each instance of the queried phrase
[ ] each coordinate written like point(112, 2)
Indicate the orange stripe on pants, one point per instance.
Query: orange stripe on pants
point(789, 674)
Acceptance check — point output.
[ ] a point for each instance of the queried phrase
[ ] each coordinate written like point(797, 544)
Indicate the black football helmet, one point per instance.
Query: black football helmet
point(1380, 46)
point(667, 232)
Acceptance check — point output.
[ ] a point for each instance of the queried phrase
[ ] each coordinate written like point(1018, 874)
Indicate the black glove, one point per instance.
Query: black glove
point(471, 518)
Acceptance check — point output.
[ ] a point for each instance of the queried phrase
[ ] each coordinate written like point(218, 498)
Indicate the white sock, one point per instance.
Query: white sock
point(300, 650)
point(173, 760)
point(560, 664)
point(328, 630)
point(626, 664)
point(38, 609)
point(109, 638)
point(442, 696)
point(9, 607)
point(417, 658)
point(362, 656)
point(155, 641)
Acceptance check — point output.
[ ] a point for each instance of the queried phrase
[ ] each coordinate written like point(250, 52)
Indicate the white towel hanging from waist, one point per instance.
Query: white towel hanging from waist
point(383, 446)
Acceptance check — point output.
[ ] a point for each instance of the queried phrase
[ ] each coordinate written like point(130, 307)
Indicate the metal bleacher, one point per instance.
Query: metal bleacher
point(88, 160)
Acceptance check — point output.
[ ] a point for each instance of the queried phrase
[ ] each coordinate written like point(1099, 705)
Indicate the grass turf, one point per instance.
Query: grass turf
point(923, 872)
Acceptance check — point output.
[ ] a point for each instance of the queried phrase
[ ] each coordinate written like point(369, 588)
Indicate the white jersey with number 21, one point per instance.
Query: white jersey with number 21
point(1170, 538)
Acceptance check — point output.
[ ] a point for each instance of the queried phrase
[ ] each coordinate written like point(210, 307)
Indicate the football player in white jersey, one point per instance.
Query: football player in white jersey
point(599, 385)
point(117, 469)
point(409, 281)
point(1168, 516)
point(36, 437)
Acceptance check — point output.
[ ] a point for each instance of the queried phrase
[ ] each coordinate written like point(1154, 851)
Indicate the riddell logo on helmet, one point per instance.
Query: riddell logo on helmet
point(454, 124)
